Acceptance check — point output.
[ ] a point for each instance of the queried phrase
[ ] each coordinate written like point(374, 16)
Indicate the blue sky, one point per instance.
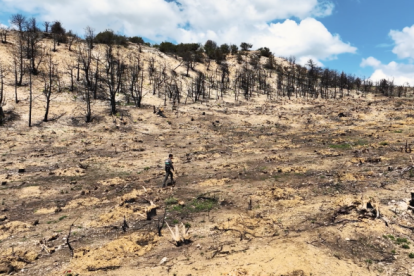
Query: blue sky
point(362, 37)
point(366, 24)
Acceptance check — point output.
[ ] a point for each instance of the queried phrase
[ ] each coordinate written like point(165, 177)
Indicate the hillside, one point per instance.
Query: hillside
point(267, 182)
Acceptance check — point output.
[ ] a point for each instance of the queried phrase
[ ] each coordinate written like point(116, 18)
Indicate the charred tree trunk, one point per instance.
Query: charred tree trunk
point(88, 105)
point(30, 99)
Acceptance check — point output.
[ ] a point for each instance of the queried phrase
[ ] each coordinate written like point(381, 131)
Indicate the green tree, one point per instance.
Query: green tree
point(245, 46)
point(58, 34)
point(137, 40)
point(108, 37)
point(234, 49)
point(225, 49)
point(57, 28)
point(167, 47)
point(210, 48)
point(265, 52)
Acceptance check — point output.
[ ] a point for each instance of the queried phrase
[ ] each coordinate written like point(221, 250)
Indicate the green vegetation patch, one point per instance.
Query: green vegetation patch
point(349, 145)
point(340, 146)
point(197, 205)
point(171, 201)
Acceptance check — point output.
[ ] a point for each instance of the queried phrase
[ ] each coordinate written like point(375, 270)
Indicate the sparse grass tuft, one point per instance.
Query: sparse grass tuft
point(361, 142)
point(178, 208)
point(340, 146)
point(171, 201)
point(203, 205)
point(368, 261)
point(411, 173)
point(401, 240)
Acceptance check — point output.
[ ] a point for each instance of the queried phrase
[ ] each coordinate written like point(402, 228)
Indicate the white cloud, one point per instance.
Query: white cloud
point(308, 39)
point(404, 42)
point(198, 20)
point(371, 61)
point(399, 72)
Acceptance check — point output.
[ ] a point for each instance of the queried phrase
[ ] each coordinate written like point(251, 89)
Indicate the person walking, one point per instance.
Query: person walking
point(168, 167)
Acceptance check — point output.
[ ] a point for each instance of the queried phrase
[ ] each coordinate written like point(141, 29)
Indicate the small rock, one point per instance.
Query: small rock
point(36, 222)
point(347, 239)
point(181, 203)
point(3, 218)
point(164, 260)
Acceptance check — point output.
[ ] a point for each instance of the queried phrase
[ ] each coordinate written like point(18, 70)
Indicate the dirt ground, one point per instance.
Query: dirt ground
point(299, 187)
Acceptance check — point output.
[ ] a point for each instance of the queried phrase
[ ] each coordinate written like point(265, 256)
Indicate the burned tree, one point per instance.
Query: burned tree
point(89, 37)
point(70, 67)
point(86, 95)
point(114, 71)
point(34, 51)
point(18, 20)
point(198, 87)
point(135, 78)
point(72, 39)
point(46, 24)
point(3, 71)
point(30, 98)
point(245, 80)
point(4, 31)
point(84, 62)
point(49, 77)
point(18, 69)
point(96, 77)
